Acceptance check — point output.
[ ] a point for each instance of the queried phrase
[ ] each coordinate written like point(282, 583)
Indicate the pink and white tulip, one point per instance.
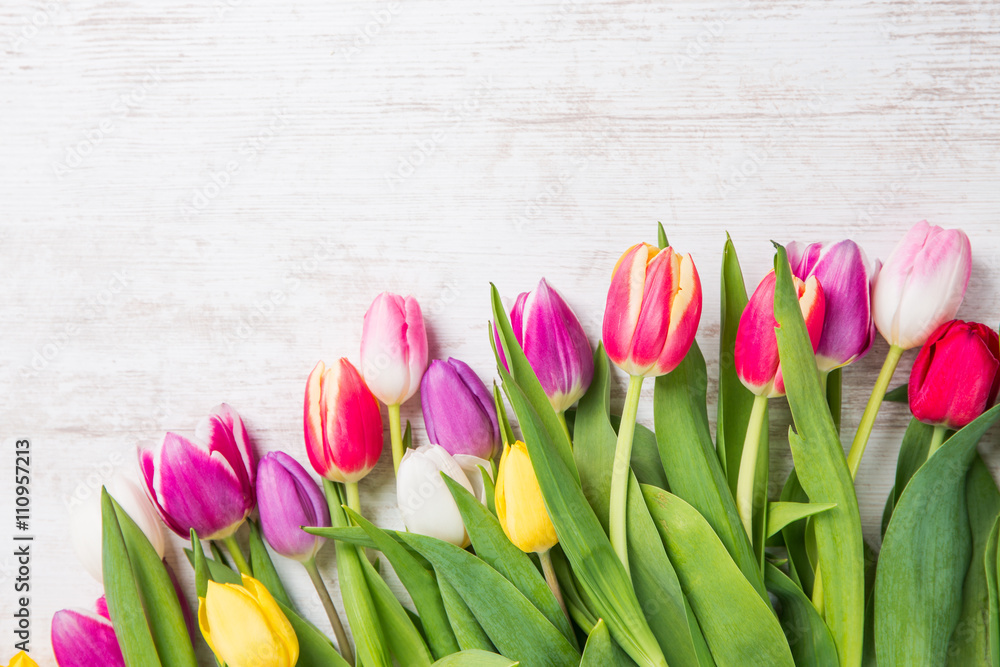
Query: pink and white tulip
point(652, 312)
point(85, 638)
point(288, 499)
point(756, 353)
point(343, 423)
point(205, 482)
point(922, 284)
point(393, 348)
point(846, 276)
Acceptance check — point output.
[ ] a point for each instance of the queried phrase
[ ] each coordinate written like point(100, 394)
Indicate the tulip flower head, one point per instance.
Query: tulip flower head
point(519, 502)
point(424, 500)
point(86, 524)
point(756, 353)
point(393, 347)
point(555, 344)
point(288, 499)
point(459, 413)
point(205, 482)
point(22, 659)
point(343, 424)
point(922, 284)
point(846, 276)
point(653, 309)
point(245, 627)
point(956, 375)
point(85, 638)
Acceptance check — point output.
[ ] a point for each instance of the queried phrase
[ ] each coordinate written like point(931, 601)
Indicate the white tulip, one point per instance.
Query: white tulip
point(470, 465)
point(425, 502)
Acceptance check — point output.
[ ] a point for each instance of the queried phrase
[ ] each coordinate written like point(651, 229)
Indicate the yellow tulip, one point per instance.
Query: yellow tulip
point(245, 627)
point(22, 659)
point(520, 507)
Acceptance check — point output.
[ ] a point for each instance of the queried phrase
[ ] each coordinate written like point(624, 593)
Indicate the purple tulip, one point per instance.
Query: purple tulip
point(555, 344)
point(846, 277)
point(205, 482)
point(458, 410)
point(85, 638)
point(288, 498)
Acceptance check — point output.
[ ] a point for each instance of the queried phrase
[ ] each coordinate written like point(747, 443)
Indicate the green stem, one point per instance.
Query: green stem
point(331, 612)
point(396, 436)
point(353, 496)
point(871, 410)
point(565, 426)
point(551, 580)
point(937, 439)
point(620, 469)
point(748, 463)
point(234, 550)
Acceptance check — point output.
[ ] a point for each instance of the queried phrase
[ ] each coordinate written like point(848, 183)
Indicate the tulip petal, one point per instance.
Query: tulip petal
point(288, 499)
point(237, 630)
point(352, 424)
point(685, 313)
point(756, 352)
point(427, 506)
point(662, 280)
point(458, 409)
point(84, 639)
point(621, 313)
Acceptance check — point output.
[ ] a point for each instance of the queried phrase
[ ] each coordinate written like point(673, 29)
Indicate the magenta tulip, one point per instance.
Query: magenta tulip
point(955, 377)
point(206, 482)
point(652, 312)
point(393, 348)
point(85, 638)
point(343, 424)
point(288, 499)
point(757, 363)
point(458, 410)
point(846, 276)
point(922, 284)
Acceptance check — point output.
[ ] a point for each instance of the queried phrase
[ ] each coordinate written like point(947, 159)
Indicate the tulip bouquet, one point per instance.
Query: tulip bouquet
point(593, 540)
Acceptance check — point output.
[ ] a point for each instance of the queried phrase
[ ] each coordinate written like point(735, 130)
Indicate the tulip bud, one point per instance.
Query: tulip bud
point(520, 506)
point(922, 284)
point(555, 344)
point(756, 353)
point(343, 425)
point(846, 276)
point(652, 312)
point(426, 503)
point(85, 638)
point(245, 627)
point(955, 376)
point(393, 348)
point(470, 465)
point(206, 482)
point(86, 521)
point(458, 410)
point(22, 659)
point(288, 499)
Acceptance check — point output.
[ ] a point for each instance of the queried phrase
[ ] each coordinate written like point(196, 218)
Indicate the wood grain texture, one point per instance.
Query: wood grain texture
point(200, 199)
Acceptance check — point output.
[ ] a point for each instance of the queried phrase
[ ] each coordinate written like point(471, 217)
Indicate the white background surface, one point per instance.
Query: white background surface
point(249, 175)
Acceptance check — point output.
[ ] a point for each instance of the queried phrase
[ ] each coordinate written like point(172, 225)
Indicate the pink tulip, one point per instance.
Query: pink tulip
point(846, 276)
point(343, 424)
point(652, 312)
point(85, 638)
point(757, 363)
point(459, 412)
point(922, 284)
point(393, 348)
point(955, 377)
point(205, 482)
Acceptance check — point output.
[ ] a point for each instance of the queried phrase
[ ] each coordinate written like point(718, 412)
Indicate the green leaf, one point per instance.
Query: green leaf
point(407, 436)
point(656, 584)
point(523, 375)
point(992, 566)
point(601, 575)
point(925, 554)
point(493, 547)
point(661, 236)
point(595, 439)
point(575, 605)
point(912, 454)
point(794, 537)
point(197, 557)
point(468, 632)
point(263, 567)
point(156, 590)
point(693, 470)
point(401, 635)
point(808, 637)
point(821, 469)
point(420, 583)
point(490, 490)
point(218, 554)
point(970, 642)
point(834, 394)
point(315, 649)
point(645, 462)
point(898, 395)
point(513, 624)
point(780, 514)
point(122, 593)
point(475, 658)
point(740, 628)
point(735, 401)
point(601, 650)
point(505, 430)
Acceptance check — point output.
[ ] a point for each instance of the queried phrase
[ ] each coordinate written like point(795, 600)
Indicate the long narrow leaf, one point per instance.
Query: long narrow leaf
point(469, 634)
point(912, 454)
point(263, 567)
point(601, 651)
point(735, 401)
point(780, 514)
point(401, 635)
point(808, 637)
point(991, 567)
point(475, 658)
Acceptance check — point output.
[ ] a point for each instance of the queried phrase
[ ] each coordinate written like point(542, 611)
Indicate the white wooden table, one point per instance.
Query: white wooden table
point(200, 199)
